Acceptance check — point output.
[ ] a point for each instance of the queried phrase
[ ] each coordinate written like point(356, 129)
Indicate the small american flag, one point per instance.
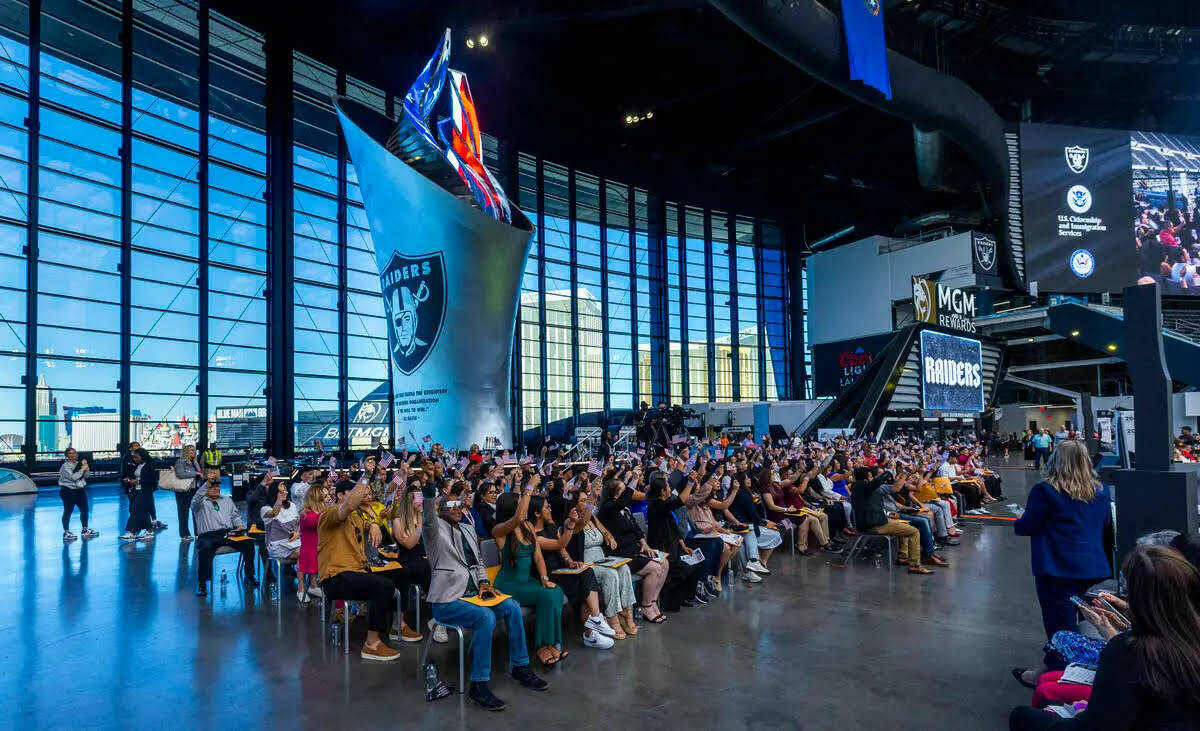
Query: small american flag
point(273, 471)
point(400, 442)
point(386, 459)
point(678, 439)
point(272, 461)
point(595, 468)
point(332, 462)
point(427, 438)
point(398, 480)
point(690, 463)
point(462, 464)
point(526, 459)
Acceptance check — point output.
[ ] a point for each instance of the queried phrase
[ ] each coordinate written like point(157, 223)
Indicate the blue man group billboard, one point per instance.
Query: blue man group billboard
point(450, 249)
point(951, 372)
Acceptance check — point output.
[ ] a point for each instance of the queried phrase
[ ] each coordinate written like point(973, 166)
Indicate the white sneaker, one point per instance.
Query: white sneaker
point(597, 640)
point(750, 577)
point(89, 533)
point(145, 536)
point(597, 624)
point(302, 597)
point(69, 536)
point(757, 567)
point(439, 632)
point(127, 536)
point(315, 591)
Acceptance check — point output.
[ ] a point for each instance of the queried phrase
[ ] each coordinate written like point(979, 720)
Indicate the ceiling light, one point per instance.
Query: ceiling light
point(1112, 347)
point(483, 40)
point(1029, 340)
point(470, 43)
point(628, 119)
point(1074, 333)
point(649, 115)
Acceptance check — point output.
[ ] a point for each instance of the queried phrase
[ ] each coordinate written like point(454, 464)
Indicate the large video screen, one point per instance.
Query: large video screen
point(951, 372)
point(1104, 209)
point(837, 365)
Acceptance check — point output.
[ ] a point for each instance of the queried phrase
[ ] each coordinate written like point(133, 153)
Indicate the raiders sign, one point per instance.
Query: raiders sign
point(414, 298)
point(984, 248)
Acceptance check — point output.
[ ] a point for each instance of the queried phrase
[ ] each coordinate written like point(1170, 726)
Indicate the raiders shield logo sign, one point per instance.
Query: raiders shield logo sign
point(414, 299)
point(985, 253)
point(1077, 158)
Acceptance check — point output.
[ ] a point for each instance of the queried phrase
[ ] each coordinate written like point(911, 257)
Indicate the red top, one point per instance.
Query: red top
point(475, 457)
point(308, 542)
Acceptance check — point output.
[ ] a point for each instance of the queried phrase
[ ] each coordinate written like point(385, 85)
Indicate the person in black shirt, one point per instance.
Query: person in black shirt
point(1147, 678)
point(667, 526)
point(615, 516)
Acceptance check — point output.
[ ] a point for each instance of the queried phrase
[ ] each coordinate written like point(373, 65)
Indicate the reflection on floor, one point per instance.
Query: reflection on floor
point(108, 634)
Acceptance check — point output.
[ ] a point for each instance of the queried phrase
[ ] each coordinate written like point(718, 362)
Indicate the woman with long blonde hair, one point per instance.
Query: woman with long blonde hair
point(1065, 517)
point(315, 501)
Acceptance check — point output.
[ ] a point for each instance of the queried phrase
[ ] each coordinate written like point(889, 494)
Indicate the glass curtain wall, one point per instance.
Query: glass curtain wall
point(136, 240)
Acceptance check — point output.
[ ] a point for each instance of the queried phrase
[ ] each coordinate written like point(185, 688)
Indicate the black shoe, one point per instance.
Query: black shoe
point(686, 603)
point(524, 675)
point(700, 597)
point(201, 590)
point(483, 696)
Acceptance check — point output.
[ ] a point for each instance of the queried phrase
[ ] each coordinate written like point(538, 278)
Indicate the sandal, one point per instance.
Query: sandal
point(628, 625)
point(658, 619)
point(918, 570)
point(547, 660)
point(1018, 674)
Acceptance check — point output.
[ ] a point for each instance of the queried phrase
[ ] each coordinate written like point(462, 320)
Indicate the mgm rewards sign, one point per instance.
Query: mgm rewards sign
point(948, 307)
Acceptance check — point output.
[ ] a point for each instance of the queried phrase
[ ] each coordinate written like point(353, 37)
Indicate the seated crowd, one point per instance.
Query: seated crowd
point(656, 530)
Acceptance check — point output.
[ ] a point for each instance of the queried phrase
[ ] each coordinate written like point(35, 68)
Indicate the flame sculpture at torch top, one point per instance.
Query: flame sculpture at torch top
point(450, 248)
point(458, 140)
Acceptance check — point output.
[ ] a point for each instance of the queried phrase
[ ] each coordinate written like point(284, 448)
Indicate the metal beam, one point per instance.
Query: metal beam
point(1064, 364)
point(1040, 386)
point(280, 301)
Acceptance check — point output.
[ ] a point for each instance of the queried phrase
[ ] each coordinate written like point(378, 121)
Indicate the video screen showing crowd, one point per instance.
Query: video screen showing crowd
point(1167, 232)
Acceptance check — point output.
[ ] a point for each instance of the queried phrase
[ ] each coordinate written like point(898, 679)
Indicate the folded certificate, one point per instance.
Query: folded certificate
point(695, 557)
point(390, 565)
point(731, 539)
point(613, 562)
point(579, 570)
point(485, 602)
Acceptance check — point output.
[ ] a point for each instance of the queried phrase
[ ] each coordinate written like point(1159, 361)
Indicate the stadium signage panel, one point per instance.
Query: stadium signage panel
point(951, 372)
point(949, 307)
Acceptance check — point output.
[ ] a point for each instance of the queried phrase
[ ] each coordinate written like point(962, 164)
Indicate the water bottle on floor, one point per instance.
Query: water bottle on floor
point(431, 678)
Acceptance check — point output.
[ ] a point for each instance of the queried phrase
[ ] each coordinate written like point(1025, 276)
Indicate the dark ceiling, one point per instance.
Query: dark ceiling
point(736, 127)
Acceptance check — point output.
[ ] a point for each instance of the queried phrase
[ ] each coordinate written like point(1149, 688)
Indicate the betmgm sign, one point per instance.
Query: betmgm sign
point(450, 249)
point(948, 307)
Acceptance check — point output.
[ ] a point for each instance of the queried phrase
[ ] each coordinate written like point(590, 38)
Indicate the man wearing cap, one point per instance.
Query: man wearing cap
point(458, 573)
point(341, 557)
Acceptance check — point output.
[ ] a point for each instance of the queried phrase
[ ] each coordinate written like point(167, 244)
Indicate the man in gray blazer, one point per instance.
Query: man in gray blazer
point(458, 573)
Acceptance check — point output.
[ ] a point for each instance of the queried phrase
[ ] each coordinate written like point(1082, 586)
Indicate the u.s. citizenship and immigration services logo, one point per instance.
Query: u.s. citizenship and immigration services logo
point(1079, 199)
point(1077, 158)
point(414, 298)
point(1082, 263)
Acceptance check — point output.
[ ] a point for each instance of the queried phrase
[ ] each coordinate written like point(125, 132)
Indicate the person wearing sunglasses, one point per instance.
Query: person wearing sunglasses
point(215, 516)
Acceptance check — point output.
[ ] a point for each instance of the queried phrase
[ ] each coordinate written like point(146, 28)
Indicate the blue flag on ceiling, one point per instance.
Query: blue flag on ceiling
point(865, 45)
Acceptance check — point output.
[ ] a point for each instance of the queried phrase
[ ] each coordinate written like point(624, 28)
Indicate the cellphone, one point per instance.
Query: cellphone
point(1079, 602)
point(1112, 609)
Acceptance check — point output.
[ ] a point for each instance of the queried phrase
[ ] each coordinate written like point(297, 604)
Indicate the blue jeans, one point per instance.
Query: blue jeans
point(1040, 455)
point(925, 526)
point(712, 548)
point(482, 621)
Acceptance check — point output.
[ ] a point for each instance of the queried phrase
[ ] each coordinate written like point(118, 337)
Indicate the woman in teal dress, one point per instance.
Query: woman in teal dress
point(519, 554)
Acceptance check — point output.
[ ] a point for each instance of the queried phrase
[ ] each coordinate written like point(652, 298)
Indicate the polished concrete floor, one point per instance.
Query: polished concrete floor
point(109, 635)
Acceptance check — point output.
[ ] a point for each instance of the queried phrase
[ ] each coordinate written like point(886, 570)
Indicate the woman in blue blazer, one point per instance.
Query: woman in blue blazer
point(1065, 518)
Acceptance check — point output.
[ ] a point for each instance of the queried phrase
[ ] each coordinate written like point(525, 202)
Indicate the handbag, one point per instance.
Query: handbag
point(168, 480)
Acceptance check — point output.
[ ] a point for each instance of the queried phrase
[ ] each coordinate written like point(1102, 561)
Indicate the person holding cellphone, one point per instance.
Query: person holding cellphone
point(458, 573)
point(72, 488)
